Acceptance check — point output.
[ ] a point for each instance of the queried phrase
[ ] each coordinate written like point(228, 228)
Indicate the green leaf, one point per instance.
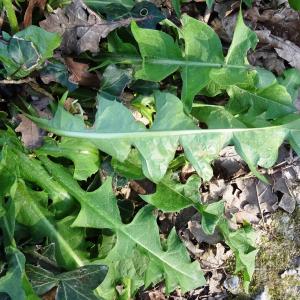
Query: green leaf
point(44, 41)
point(157, 145)
point(30, 212)
point(27, 50)
point(114, 80)
point(268, 103)
point(291, 80)
point(242, 243)
point(83, 154)
point(11, 282)
point(176, 7)
point(172, 196)
point(216, 117)
point(76, 284)
point(14, 283)
point(162, 46)
point(210, 3)
point(23, 53)
point(57, 72)
point(243, 40)
point(295, 4)
point(202, 44)
point(173, 264)
point(101, 4)
point(162, 56)
point(131, 168)
point(148, 12)
point(30, 169)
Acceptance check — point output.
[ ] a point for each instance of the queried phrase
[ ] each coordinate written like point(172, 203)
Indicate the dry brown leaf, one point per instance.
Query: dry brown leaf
point(29, 10)
point(284, 23)
point(32, 135)
point(285, 49)
point(80, 27)
point(79, 73)
point(156, 295)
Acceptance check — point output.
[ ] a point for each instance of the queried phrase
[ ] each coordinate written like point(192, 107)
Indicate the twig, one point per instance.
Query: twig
point(21, 81)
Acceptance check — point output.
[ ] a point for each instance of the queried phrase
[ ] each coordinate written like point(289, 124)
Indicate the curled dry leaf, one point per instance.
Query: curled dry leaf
point(285, 49)
point(29, 10)
point(79, 73)
point(32, 135)
point(80, 27)
point(283, 23)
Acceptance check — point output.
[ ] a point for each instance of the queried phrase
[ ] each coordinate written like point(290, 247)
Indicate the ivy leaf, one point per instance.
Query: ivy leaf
point(76, 284)
point(157, 145)
point(176, 269)
point(149, 13)
point(11, 282)
point(57, 72)
point(23, 53)
point(27, 50)
point(114, 80)
point(83, 154)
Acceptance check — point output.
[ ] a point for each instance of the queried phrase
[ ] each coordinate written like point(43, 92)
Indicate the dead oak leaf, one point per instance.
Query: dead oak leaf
point(80, 27)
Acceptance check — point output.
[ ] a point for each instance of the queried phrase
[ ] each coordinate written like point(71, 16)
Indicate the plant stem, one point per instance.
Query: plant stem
point(11, 15)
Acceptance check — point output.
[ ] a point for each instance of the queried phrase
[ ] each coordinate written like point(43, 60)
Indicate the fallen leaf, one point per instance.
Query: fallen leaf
point(80, 27)
point(285, 49)
point(283, 23)
point(287, 203)
point(80, 75)
point(29, 10)
point(200, 236)
point(156, 295)
point(32, 135)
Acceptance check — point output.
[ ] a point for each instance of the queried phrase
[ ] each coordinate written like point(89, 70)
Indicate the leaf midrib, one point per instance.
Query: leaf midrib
point(266, 99)
point(120, 228)
point(132, 59)
point(86, 133)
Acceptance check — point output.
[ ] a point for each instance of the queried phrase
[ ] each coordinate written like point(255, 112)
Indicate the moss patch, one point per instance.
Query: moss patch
point(278, 247)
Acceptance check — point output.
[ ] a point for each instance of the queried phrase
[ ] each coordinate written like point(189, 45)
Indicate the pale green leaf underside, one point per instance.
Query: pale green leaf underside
point(115, 132)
